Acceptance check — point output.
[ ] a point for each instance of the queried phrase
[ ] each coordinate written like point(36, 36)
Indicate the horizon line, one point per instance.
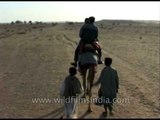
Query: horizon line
point(79, 21)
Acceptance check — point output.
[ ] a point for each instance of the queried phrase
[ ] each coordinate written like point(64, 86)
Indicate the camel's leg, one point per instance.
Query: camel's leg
point(88, 85)
point(90, 78)
point(84, 82)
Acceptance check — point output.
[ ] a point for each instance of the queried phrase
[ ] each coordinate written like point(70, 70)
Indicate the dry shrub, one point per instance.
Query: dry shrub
point(140, 37)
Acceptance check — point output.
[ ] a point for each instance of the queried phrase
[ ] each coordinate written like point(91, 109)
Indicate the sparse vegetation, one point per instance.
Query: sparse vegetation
point(30, 22)
point(140, 37)
point(18, 22)
point(12, 23)
point(54, 24)
point(70, 23)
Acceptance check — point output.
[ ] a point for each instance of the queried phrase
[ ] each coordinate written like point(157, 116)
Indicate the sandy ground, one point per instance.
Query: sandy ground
point(34, 60)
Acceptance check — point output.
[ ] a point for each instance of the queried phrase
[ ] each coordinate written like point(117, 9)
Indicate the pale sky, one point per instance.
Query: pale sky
point(78, 11)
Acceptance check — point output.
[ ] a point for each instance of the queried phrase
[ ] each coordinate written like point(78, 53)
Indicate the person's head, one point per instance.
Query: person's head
point(92, 19)
point(108, 61)
point(72, 71)
point(86, 20)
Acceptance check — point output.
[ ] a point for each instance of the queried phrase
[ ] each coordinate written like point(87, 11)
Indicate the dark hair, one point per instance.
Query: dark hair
point(92, 19)
point(72, 71)
point(108, 61)
point(86, 20)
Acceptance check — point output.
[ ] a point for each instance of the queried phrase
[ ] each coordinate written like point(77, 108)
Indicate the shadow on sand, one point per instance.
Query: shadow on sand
point(54, 114)
point(85, 114)
point(102, 116)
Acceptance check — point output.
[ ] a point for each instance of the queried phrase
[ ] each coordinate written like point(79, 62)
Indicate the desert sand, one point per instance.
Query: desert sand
point(34, 60)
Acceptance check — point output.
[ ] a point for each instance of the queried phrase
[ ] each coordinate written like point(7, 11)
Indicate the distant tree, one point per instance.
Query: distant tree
point(18, 22)
point(53, 24)
point(12, 23)
point(70, 23)
point(36, 22)
point(25, 22)
point(30, 22)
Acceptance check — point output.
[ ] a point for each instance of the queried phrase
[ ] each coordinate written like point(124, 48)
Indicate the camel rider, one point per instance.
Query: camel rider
point(89, 35)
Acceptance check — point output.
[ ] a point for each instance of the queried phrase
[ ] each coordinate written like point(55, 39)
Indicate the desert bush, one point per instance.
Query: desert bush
point(140, 37)
point(30, 22)
point(18, 22)
point(12, 23)
point(70, 23)
point(38, 23)
point(53, 24)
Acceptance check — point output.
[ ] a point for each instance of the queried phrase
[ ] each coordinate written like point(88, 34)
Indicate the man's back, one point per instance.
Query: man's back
point(88, 33)
point(109, 81)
